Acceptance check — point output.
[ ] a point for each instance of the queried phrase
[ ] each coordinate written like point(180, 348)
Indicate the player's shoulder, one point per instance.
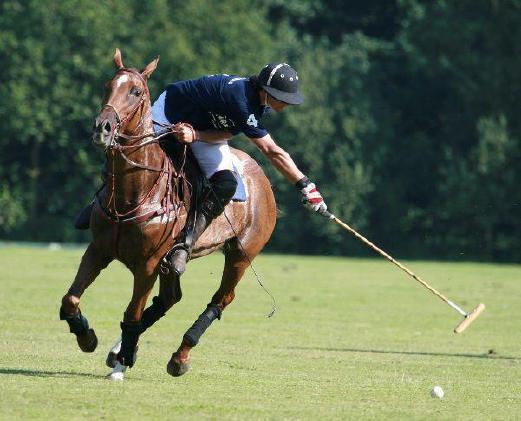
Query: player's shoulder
point(224, 78)
point(235, 85)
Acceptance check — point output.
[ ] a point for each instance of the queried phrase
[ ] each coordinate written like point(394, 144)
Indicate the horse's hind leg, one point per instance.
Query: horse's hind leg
point(235, 265)
point(169, 294)
point(91, 265)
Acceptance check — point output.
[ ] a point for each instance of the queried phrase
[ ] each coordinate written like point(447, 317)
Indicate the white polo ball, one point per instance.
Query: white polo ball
point(437, 392)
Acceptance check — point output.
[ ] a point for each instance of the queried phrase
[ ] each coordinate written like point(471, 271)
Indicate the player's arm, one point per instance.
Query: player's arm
point(283, 162)
point(279, 158)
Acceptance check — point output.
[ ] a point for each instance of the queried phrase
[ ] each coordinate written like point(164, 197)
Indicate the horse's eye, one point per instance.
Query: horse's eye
point(135, 91)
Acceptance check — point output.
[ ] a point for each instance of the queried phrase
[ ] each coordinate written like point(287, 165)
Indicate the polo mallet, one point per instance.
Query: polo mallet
point(469, 317)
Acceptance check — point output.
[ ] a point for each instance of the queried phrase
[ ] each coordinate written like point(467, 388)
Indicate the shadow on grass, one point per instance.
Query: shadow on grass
point(487, 356)
point(40, 373)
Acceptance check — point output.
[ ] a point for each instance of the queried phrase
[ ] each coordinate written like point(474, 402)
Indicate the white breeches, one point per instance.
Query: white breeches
point(213, 157)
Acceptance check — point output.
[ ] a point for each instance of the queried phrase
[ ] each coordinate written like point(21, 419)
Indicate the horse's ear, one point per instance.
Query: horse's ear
point(149, 69)
point(118, 62)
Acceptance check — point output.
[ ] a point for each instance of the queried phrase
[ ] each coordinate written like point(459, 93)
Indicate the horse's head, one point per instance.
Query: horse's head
point(126, 95)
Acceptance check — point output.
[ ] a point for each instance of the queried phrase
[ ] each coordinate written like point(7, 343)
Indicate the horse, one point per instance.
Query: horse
point(138, 215)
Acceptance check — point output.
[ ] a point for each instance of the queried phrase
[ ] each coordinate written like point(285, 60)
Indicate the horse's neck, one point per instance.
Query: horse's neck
point(128, 185)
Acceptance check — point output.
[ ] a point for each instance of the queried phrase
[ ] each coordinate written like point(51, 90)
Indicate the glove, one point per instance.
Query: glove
point(311, 198)
point(184, 133)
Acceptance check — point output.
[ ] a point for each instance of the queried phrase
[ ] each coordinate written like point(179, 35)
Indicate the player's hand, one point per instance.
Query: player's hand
point(313, 200)
point(184, 133)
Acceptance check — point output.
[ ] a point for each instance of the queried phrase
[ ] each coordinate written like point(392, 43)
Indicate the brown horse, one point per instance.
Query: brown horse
point(138, 215)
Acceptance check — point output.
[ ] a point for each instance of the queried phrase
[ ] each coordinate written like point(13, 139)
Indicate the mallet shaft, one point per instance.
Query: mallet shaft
point(391, 259)
point(469, 317)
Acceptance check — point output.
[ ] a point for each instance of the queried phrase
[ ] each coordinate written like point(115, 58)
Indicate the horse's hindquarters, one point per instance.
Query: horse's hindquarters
point(252, 221)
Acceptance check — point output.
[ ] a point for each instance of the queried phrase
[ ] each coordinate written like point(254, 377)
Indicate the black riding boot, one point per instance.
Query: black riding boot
point(82, 221)
point(221, 190)
point(181, 251)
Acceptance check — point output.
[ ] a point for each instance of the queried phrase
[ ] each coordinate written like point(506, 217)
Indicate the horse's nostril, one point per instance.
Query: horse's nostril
point(107, 128)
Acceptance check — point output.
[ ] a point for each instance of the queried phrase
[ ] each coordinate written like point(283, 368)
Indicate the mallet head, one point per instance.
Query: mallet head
point(473, 315)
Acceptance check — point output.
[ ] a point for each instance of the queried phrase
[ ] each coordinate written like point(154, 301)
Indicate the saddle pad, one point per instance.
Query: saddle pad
point(241, 194)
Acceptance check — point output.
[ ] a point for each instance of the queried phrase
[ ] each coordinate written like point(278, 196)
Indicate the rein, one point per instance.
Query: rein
point(118, 147)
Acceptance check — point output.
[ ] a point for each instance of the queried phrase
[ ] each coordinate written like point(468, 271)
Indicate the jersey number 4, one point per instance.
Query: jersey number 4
point(252, 121)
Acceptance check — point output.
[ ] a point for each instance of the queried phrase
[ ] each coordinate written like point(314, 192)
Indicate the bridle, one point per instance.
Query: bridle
point(115, 147)
point(138, 104)
point(120, 122)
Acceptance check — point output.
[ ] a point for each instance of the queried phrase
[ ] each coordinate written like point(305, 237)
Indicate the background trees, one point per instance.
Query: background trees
point(410, 126)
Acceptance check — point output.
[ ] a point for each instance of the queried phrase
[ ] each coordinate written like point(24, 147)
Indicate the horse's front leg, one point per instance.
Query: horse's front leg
point(132, 326)
point(92, 263)
point(235, 265)
point(169, 294)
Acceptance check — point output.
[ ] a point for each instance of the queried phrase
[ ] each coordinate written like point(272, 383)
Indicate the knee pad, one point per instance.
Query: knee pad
point(223, 185)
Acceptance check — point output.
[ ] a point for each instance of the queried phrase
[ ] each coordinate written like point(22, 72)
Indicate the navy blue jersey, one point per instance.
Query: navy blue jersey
point(221, 102)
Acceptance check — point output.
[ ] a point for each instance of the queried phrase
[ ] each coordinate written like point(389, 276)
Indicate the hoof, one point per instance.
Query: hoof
point(112, 359)
point(116, 377)
point(177, 368)
point(112, 356)
point(87, 342)
point(118, 373)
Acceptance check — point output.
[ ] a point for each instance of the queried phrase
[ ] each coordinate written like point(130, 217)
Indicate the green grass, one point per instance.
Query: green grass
point(352, 339)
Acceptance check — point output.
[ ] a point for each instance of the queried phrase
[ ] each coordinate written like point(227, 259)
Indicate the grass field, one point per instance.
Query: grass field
point(352, 339)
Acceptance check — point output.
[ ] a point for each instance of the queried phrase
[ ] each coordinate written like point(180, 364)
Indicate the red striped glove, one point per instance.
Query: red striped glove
point(311, 198)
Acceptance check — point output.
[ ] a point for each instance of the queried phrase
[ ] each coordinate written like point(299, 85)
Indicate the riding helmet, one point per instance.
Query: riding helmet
point(280, 80)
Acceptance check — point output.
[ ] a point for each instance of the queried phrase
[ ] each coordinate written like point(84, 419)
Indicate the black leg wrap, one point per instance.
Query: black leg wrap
point(152, 313)
point(129, 336)
point(78, 324)
point(206, 318)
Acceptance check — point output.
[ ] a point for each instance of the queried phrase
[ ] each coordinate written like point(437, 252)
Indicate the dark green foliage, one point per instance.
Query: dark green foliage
point(410, 126)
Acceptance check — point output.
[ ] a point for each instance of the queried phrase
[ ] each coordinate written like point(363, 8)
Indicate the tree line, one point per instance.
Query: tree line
point(410, 127)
